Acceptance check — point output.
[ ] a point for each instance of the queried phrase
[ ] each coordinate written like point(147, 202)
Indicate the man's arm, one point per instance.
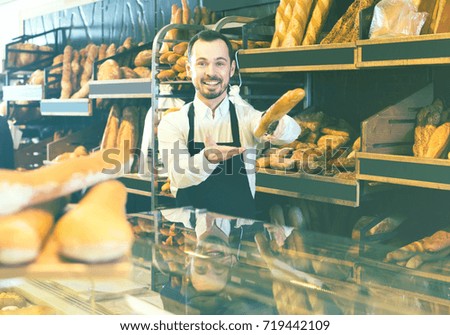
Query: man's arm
point(184, 170)
point(286, 131)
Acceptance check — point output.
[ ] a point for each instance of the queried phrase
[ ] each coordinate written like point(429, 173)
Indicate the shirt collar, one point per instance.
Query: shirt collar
point(202, 111)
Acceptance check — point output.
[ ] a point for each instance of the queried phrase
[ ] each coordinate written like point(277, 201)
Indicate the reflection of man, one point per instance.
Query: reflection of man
point(211, 262)
point(203, 144)
point(6, 146)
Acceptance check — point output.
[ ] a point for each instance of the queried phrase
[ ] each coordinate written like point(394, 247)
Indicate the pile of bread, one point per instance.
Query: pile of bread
point(325, 146)
point(432, 131)
point(123, 131)
point(33, 211)
point(429, 248)
point(111, 69)
point(299, 22)
point(13, 303)
point(23, 54)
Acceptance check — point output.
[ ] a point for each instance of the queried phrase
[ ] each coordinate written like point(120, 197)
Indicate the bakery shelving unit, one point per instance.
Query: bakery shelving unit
point(138, 186)
point(373, 166)
point(156, 110)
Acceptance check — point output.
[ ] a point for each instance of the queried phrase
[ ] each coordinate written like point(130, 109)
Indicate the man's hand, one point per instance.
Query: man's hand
point(217, 153)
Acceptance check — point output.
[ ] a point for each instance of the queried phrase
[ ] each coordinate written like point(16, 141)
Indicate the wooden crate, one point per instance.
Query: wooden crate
point(386, 148)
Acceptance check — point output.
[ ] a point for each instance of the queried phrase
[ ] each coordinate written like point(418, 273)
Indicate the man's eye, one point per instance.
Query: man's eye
point(220, 64)
point(201, 64)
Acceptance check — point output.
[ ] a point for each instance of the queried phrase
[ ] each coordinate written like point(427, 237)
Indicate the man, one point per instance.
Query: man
point(6, 145)
point(209, 145)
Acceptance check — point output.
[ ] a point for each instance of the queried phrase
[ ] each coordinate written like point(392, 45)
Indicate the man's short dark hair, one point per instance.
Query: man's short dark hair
point(210, 35)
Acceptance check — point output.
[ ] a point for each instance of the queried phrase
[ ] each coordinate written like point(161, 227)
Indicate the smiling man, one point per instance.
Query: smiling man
point(209, 146)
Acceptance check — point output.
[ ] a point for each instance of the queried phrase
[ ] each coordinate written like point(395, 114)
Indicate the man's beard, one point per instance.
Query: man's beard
point(212, 95)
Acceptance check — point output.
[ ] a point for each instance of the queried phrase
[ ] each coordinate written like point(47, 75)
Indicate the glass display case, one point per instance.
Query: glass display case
point(191, 261)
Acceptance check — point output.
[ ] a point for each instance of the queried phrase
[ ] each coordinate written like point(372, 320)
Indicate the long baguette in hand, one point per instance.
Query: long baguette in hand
point(23, 189)
point(279, 109)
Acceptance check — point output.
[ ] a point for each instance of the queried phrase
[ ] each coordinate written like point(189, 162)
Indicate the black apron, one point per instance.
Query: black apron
point(226, 190)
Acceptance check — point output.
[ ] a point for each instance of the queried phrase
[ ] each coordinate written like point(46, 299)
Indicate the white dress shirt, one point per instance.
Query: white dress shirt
point(184, 170)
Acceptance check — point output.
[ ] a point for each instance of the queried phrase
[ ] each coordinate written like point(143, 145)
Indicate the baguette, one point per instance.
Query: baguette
point(279, 109)
point(186, 15)
point(317, 21)
point(110, 134)
point(96, 230)
point(129, 128)
point(66, 83)
point(76, 69)
point(22, 235)
point(439, 140)
point(92, 55)
point(20, 189)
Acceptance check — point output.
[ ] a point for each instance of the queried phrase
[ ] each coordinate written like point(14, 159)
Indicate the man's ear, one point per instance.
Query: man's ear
point(232, 68)
point(188, 69)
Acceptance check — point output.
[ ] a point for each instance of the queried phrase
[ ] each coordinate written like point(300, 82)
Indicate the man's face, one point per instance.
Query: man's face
point(210, 69)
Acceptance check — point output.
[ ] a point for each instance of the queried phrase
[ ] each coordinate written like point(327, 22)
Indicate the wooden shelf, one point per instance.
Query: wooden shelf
point(414, 50)
point(304, 58)
point(404, 170)
point(401, 51)
point(23, 93)
point(122, 88)
point(312, 187)
point(66, 107)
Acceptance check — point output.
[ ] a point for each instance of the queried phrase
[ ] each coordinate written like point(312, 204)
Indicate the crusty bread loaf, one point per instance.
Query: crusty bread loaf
point(164, 58)
point(26, 58)
point(166, 75)
point(332, 142)
point(439, 141)
point(172, 59)
point(96, 230)
point(127, 73)
point(180, 48)
point(143, 58)
point(317, 21)
point(440, 240)
point(111, 50)
point(22, 235)
point(109, 70)
point(36, 78)
point(102, 51)
point(279, 109)
point(143, 71)
point(83, 92)
point(20, 189)
point(111, 132)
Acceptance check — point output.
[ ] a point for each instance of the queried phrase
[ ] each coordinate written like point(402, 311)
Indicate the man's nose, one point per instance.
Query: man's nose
point(210, 69)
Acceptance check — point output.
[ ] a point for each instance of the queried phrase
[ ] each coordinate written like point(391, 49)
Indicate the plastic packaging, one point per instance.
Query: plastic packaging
point(392, 18)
